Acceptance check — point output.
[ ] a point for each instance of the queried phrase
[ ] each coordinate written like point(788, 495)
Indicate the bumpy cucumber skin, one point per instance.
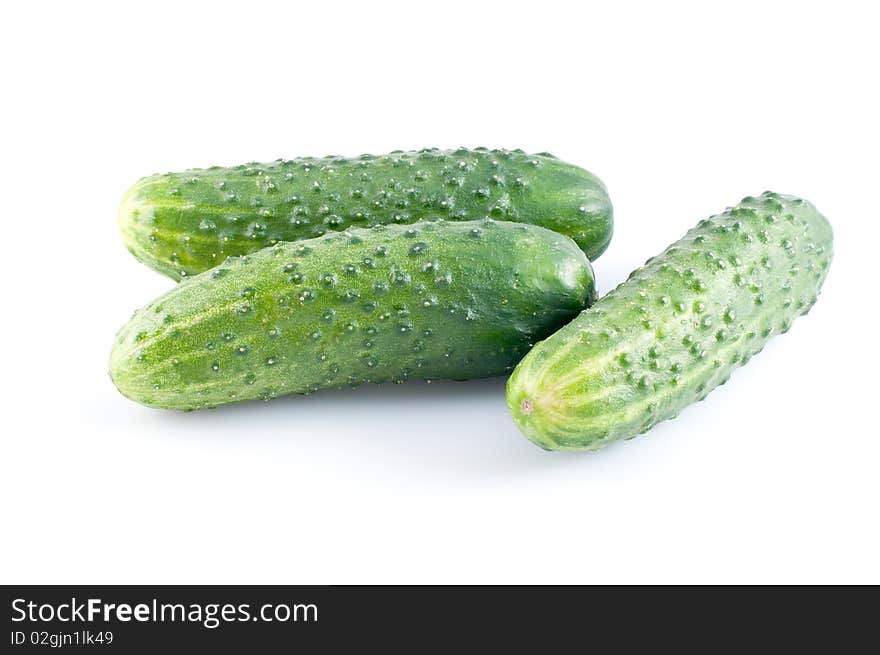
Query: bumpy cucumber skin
point(433, 300)
point(185, 223)
point(676, 328)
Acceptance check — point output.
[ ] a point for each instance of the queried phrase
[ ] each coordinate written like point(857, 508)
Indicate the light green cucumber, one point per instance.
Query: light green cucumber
point(676, 329)
point(431, 300)
point(184, 223)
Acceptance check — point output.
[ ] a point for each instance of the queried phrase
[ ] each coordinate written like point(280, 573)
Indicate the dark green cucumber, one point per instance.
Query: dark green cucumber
point(432, 300)
point(184, 223)
point(676, 328)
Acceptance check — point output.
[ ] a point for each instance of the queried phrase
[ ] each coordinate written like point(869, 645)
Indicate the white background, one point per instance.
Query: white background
point(682, 109)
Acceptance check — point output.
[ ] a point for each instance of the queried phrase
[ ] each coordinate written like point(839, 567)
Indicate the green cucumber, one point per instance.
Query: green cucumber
point(184, 223)
point(676, 328)
point(432, 300)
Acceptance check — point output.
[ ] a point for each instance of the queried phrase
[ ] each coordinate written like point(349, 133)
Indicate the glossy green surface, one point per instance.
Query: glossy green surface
point(431, 300)
point(185, 223)
point(676, 328)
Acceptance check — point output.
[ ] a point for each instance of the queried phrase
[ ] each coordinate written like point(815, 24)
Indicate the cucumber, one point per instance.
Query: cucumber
point(676, 328)
point(184, 223)
point(431, 300)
